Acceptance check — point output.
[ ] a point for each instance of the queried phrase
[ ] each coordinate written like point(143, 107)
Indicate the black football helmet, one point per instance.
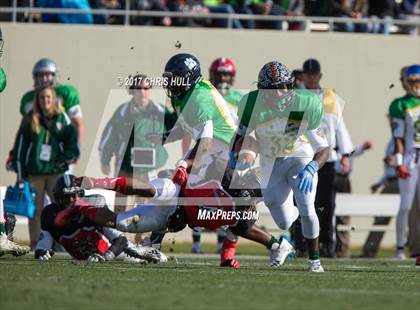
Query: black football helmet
point(64, 188)
point(182, 72)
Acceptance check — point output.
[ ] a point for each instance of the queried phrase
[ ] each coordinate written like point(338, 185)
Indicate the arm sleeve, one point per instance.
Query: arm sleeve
point(75, 112)
point(343, 139)
point(317, 139)
point(3, 80)
point(71, 100)
point(20, 149)
point(70, 144)
point(108, 141)
point(397, 114)
point(358, 150)
point(345, 145)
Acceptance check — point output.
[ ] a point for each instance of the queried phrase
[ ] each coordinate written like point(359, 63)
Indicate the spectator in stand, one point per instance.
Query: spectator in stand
point(268, 8)
point(296, 8)
point(259, 7)
point(107, 18)
point(189, 6)
point(243, 7)
point(219, 6)
point(66, 18)
point(320, 7)
point(385, 10)
point(352, 9)
point(410, 10)
point(150, 5)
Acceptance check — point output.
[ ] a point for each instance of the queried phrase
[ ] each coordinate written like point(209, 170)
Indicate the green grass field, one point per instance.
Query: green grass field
point(196, 282)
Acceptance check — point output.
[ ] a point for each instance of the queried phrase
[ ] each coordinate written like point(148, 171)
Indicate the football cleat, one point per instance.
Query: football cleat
point(147, 253)
point(279, 253)
point(315, 266)
point(9, 247)
point(232, 263)
point(399, 254)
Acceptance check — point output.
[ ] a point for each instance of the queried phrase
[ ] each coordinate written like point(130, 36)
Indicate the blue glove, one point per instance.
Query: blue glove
point(306, 177)
point(233, 158)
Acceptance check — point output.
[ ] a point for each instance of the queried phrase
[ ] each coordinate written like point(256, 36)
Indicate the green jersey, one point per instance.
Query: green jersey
point(233, 98)
point(3, 80)
point(405, 116)
point(202, 109)
point(291, 131)
point(67, 97)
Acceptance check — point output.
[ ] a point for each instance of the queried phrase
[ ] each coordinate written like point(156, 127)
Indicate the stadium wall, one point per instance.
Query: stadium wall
point(364, 69)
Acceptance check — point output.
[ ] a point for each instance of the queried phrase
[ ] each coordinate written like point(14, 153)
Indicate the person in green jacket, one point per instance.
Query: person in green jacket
point(124, 137)
point(45, 144)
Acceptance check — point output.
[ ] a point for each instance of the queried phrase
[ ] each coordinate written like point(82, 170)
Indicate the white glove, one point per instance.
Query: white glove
point(96, 258)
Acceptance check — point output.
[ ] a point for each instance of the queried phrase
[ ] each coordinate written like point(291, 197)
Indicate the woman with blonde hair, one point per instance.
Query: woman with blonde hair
point(46, 143)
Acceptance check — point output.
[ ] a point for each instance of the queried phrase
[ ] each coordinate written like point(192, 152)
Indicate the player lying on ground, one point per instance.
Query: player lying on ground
point(146, 218)
point(82, 238)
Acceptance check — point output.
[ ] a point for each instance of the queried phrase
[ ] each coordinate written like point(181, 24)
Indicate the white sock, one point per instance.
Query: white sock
point(402, 222)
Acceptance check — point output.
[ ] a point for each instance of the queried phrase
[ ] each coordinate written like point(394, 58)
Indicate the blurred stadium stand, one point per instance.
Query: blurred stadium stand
point(26, 11)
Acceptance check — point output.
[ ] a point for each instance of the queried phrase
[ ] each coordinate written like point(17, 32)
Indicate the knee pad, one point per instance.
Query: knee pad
point(310, 226)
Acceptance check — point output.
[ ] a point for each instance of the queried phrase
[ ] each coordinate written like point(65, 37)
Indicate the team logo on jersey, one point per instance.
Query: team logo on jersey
point(190, 63)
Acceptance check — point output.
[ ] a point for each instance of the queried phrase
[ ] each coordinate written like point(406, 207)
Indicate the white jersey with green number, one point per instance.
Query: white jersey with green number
point(405, 116)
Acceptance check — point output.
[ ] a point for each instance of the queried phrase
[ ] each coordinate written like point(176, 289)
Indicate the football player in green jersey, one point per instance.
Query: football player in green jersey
point(405, 118)
point(287, 123)
point(222, 74)
point(204, 114)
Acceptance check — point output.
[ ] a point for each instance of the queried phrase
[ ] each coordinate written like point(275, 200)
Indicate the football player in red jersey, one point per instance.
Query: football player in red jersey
point(182, 206)
point(81, 237)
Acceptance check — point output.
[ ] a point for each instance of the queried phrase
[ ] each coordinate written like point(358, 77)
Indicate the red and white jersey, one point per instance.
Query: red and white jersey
point(208, 196)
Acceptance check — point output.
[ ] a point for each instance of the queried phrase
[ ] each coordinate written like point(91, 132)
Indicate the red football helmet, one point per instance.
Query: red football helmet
point(222, 73)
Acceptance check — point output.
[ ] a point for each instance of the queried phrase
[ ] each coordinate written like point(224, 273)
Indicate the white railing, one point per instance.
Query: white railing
point(127, 13)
